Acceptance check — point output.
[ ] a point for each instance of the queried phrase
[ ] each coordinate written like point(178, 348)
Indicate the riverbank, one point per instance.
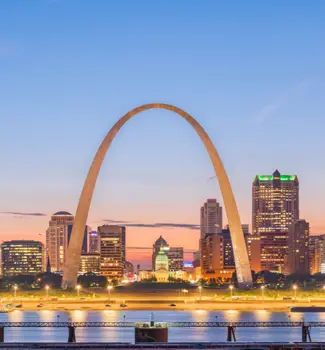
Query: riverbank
point(172, 304)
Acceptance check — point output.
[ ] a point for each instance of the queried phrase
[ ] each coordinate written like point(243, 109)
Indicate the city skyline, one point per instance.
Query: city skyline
point(63, 86)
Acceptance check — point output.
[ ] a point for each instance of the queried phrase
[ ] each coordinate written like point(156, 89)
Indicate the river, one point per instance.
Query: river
point(175, 334)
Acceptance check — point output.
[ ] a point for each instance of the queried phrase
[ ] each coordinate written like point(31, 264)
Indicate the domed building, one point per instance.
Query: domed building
point(57, 239)
point(162, 266)
point(160, 243)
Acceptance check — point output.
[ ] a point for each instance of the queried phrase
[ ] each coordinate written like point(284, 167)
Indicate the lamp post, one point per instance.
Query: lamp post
point(109, 288)
point(262, 290)
point(47, 287)
point(185, 291)
point(231, 287)
point(295, 290)
point(200, 290)
point(15, 290)
point(78, 287)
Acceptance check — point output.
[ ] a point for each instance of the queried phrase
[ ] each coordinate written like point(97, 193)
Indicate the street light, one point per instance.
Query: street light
point(109, 288)
point(231, 287)
point(200, 290)
point(78, 287)
point(185, 291)
point(47, 287)
point(295, 290)
point(262, 290)
point(15, 290)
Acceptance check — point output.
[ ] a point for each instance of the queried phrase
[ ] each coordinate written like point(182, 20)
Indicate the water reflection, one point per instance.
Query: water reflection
point(175, 334)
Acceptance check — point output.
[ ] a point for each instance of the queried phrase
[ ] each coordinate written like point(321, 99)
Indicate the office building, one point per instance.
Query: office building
point(210, 226)
point(57, 239)
point(275, 207)
point(93, 242)
point(112, 251)
point(22, 257)
point(298, 248)
point(315, 248)
point(176, 258)
point(210, 217)
point(89, 263)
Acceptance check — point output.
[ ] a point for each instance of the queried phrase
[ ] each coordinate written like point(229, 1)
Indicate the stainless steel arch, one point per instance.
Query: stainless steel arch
point(74, 250)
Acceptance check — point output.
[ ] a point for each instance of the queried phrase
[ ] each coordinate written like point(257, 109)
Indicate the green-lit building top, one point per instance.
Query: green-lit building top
point(271, 177)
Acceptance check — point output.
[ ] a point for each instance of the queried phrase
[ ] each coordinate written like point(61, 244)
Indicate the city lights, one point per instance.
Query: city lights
point(231, 287)
point(78, 287)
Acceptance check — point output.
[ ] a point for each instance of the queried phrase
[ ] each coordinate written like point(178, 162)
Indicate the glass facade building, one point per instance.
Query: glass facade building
point(22, 257)
point(275, 207)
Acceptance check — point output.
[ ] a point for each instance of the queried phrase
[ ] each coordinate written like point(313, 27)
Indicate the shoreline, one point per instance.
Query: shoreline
point(100, 305)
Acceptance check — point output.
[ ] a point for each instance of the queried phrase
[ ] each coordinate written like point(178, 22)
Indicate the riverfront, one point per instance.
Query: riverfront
point(180, 335)
point(69, 304)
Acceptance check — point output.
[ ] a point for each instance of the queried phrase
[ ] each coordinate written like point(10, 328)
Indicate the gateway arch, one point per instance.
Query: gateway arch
point(71, 268)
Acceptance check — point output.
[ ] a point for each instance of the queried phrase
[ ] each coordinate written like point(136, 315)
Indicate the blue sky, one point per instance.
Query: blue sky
point(251, 72)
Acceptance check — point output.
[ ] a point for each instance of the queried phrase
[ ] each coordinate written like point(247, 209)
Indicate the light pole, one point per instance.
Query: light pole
point(185, 291)
point(295, 290)
point(109, 288)
point(262, 290)
point(78, 289)
point(231, 287)
point(47, 287)
point(200, 290)
point(15, 290)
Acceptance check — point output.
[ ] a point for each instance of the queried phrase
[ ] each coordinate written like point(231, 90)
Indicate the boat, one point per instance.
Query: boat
point(307, 309)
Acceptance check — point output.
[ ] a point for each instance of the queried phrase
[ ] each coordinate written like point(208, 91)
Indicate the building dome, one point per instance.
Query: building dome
point(61, 213)
point(160, 242)
point(162, 261)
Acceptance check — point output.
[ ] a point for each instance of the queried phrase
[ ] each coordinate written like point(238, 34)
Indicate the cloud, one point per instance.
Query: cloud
point(287, 97)
point(116, 221)
point(155, 225)
point(22, 213)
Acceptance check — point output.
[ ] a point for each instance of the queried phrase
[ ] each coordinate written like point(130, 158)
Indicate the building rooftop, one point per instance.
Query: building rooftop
point(62, 213)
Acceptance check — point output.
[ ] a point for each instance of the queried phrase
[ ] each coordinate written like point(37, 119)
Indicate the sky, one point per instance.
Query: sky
point(251, 72)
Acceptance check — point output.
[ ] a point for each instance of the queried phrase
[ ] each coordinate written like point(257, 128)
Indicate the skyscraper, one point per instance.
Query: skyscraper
point(211, 217)
point(275, 207)
point(93, 242)
point(57, 239)
point(112, 251)
point(315, 250)
point(211, 225)
point(298, 244)
point(22, 257)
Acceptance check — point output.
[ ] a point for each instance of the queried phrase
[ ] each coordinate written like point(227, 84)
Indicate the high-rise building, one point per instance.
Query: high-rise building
point(298, 248)
point(112, 251)
point(211, 217)
point(93, 242)
point(89, 263)
point(196, 258)
point(211, 225)
point(176, 258)
point(315, 247)
point(159, 243)
point(275, 208)
point(22, 257)
point(57, 239)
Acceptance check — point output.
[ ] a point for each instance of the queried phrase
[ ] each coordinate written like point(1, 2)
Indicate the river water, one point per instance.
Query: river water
point(175, 334)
